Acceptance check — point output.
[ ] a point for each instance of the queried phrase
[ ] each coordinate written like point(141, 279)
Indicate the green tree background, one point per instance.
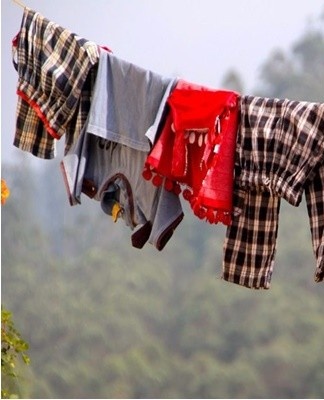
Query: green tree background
point(105, 320)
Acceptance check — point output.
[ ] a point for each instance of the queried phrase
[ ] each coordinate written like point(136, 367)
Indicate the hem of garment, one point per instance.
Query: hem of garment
point(28, 147)
point(319, 273)
point(39, 113)
point(72, 199)
point(166, 233)
point(237, 279)
point(140, 237)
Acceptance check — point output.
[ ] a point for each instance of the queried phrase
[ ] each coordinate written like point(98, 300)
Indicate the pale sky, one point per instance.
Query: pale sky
point(196, 40)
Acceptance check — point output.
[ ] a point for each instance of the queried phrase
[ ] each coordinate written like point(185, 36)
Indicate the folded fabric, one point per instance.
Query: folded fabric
point(280, 143)
point(196, 149)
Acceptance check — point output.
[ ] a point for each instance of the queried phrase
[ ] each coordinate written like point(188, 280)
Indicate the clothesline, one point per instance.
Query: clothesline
point(19, 3)
point(135, 140)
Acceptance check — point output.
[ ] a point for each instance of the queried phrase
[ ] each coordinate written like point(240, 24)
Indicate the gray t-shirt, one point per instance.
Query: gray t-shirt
point(107, 161)
point(127, 101)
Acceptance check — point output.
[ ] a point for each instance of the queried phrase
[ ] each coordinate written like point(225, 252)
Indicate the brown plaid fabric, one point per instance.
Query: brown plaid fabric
point(31, 135)
point(82, 111)
point(279, 144)
point(55, 70)
point(314, 193)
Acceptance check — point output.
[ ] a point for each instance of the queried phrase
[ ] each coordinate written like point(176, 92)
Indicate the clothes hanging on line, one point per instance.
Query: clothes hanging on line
point(56, 69)
point(107, 160)
point(280, 143)
point(124, 124)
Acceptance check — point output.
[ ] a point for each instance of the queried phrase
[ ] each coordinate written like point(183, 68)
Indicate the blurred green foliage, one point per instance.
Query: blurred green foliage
point(12, 346)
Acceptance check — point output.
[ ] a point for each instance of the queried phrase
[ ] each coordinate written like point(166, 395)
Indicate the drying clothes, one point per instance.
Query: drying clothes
point(110, 171)
point(53, 67)
point(196, 149)
point(280, 144)
point(314, 193)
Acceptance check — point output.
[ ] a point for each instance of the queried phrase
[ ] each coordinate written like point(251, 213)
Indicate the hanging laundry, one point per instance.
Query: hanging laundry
point(280, 144)
point(233, 158)
point(56, 69)
point(196, 149)
point(107, 160)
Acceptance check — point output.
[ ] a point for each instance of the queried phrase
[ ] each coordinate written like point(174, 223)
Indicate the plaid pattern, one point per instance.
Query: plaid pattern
point(250, 243)
point(314, 194)
point(280, 143)
point(53, 67)
point(81, 114)
point(31, 135)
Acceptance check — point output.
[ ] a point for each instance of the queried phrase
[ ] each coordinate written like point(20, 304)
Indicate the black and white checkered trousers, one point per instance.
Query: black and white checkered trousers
point(279, 154)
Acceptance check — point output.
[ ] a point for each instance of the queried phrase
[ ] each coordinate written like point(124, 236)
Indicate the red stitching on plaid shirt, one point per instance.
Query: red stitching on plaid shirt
point(40, 114)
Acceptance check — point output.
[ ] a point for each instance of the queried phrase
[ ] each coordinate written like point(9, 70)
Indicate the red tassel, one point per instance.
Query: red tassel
point(187, 195)
point(168, 185)
point(147, 173)
point(157, 180)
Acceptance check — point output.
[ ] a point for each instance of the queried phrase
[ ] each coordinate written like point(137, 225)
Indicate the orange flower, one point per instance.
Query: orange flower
point(5, 192)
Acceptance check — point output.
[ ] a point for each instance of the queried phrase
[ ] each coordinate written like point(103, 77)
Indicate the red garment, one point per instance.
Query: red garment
point(196, 149)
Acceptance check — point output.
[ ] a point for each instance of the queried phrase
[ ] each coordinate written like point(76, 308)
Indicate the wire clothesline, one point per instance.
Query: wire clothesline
point(19, 3)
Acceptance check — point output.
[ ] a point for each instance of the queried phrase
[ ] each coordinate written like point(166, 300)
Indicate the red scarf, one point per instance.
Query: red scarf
point(196, 149)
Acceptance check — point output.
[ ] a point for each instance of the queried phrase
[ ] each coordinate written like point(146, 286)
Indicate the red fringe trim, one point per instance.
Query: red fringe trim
point(210, 214)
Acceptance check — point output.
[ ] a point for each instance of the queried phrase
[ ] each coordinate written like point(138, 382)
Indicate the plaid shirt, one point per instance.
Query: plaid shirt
point(280, 143)
point(55, 74)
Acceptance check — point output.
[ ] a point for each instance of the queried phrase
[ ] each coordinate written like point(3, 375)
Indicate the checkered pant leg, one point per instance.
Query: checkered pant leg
point(314, 194)
point(250, 243)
